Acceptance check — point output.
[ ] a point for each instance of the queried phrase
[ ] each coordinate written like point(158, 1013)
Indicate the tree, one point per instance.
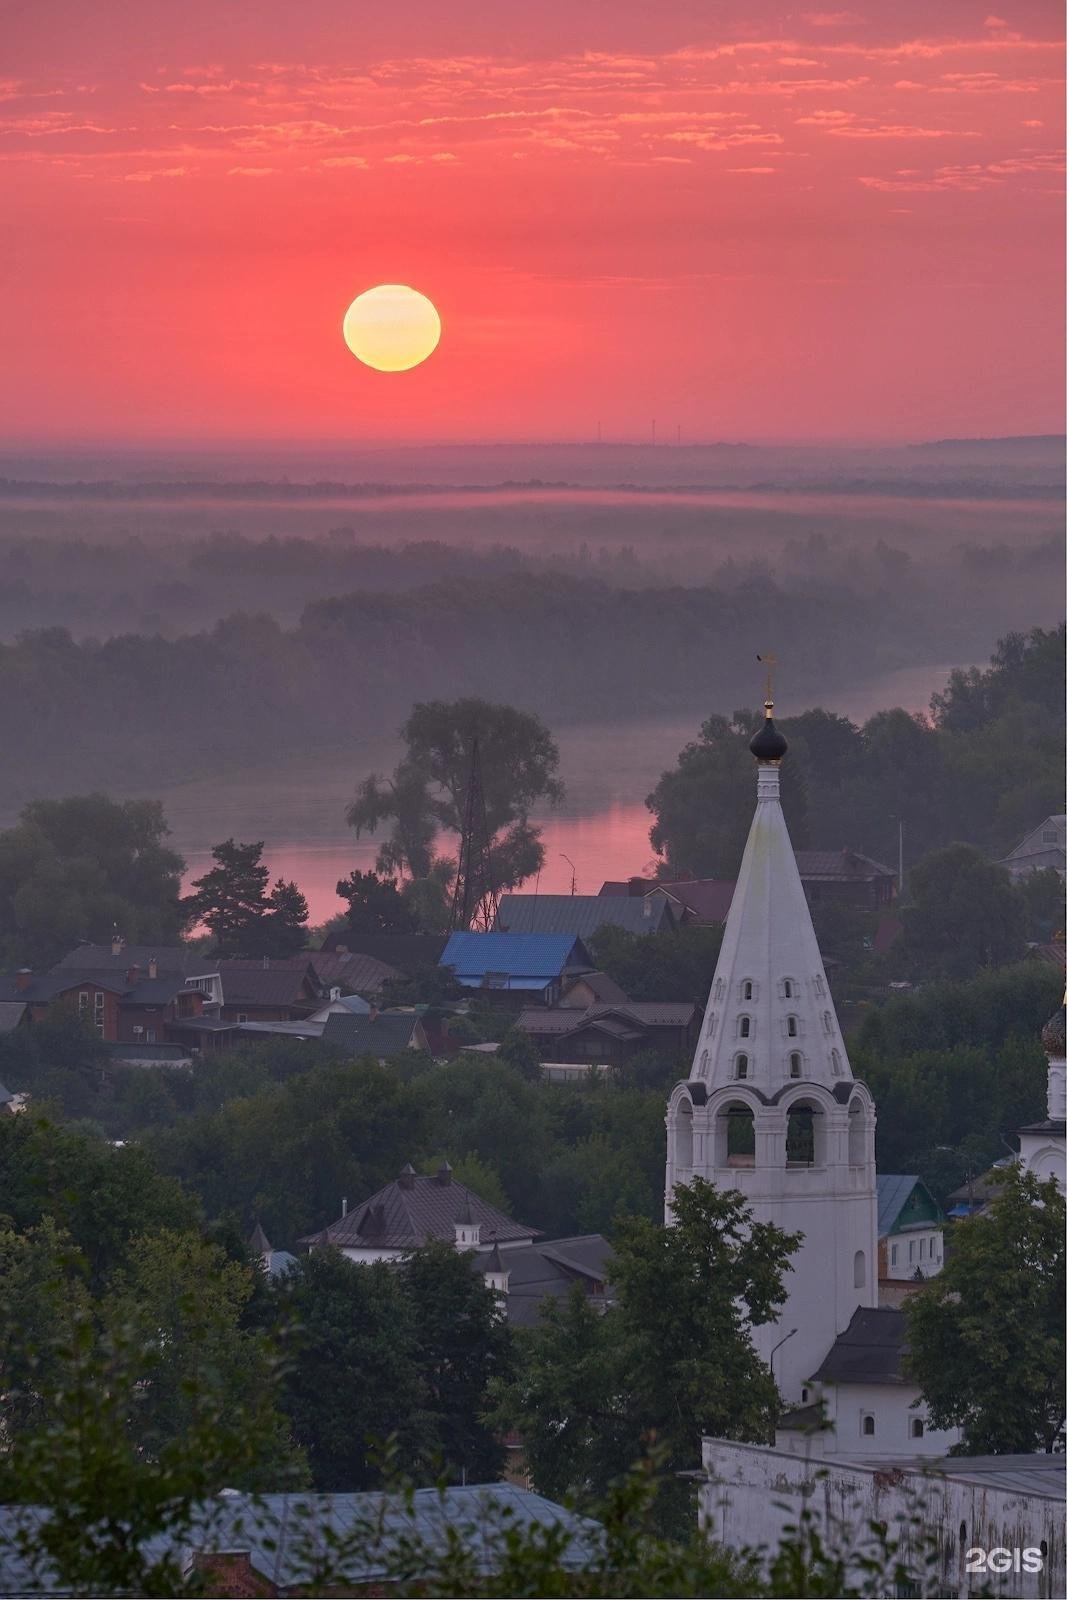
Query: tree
point(461, 1346)
point(75, 869)
point(517, 764)
point(187, 1302)
point(986, 1336)
point(703, 807)
point(231, 899)
point(374, 904)
point(1042, 897)
point(353, 1383)
point(670, 1361)
point(678, 964)
point(961, 914)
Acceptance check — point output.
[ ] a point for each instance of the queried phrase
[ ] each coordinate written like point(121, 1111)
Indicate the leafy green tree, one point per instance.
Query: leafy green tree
point(188, 1302)
point(231, 900)
point(461, 1346)
point(353, 1382)
point(703, 808)
point(374, 904)
point(1042, 897)
point(675, 965)
point(986, 1336)
point(517, 764)
point(670, 1361)
point(961, 914)
point(75, 869)
point(42, 1294)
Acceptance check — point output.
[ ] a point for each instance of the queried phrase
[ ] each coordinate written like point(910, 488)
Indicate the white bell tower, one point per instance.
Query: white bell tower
point(771, 1108)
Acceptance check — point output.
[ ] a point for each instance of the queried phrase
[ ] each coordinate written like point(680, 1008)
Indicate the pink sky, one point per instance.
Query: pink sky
point(752, 221)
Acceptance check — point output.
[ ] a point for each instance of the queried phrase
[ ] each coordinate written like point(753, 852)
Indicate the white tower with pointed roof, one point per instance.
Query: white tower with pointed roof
point(771, 1108)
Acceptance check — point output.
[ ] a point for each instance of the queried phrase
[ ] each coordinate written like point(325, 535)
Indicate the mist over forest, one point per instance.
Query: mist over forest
point(189, 613)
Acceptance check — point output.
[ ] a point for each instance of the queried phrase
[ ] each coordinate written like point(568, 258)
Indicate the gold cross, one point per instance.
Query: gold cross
point(770, 661)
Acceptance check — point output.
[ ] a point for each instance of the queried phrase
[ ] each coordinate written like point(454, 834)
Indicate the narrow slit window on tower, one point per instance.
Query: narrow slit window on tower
point(747, 990)
point(859, 1270)
point(791, 1027)
point(741, 1067)
point(787, 988)
point(835, 1062)
point(795, 1065)
point(828, 1022)
point(744, 1027)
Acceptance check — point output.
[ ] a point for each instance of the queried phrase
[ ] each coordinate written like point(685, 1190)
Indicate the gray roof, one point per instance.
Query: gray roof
point(581, 914)
point(46, 986)
point(412, 1210)
point(894, 1191)
point(276, 983)
point(302, 1541)
point(11, 1014)
point(869, 1350)
point(548, 1269)
point(181, 958)
point(604, 989)
point(1039, 1476)
point(842, 866)
point(382, 1036)
point(351, 969)
point(631, 1014)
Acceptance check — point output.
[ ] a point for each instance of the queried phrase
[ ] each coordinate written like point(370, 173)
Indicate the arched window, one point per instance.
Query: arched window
point(918, 1428)
point(744, 1027)
point(709, 1026)
point(787, 988)
point(683, 1136)
point(718, 988)
point(795, 1065)
point(800, 1135)
point(859, 1270)
point(741, 1067)
point(791, 1027)
point(820, 987)
point(868, 1425)
point(704, 1063)
point(857, 1135)
point(828, 1022)
point(835, 1062)
point(740, 1136)
point(746, 989)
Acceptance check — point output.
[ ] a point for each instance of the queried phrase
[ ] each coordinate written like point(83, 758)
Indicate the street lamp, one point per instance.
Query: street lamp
point(778, 1346)
point(574, 875)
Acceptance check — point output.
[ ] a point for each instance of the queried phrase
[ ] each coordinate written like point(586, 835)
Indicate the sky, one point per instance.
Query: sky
point(741, 220)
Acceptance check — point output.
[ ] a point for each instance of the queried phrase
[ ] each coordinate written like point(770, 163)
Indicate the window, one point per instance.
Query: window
point(740, 1137)
point(744, 1027)
point(83, 1000)
point(804, 1397)
point(922, 1249)
point(787, 988)
point(1048, 836)
point(859, 1270)
point(868, 1426)
point(791, 1027)
point(828, 1022)
point(795, 1064)
point(746, 989)
point(911, 1249)
point(709, 1026)
point(800, 1136)
point(835, 1062)
point(917, 1428)
point(98, 1011)
point(242, 1016)
point(718, 988)
point(893, 1255)
point(820, 987)
point(150, 1036)
point(704, 1063)
point(741, 1067)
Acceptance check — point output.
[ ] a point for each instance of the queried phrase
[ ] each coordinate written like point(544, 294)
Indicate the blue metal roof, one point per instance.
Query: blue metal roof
point(518, 956)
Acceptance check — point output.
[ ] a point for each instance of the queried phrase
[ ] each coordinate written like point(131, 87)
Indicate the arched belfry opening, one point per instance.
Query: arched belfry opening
point(736, 1136)
point(802, 1134)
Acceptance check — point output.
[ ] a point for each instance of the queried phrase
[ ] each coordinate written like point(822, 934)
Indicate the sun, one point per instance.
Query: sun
point(391, 327)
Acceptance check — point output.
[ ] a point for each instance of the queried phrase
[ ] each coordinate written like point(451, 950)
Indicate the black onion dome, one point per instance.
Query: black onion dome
point(1054, 1033)
point(768, 744)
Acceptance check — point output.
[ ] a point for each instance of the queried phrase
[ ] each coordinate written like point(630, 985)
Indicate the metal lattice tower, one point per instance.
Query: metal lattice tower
point(474, 897)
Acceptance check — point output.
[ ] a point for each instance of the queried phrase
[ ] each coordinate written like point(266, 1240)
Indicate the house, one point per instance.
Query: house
point(200, 971)
point(11, 1103)
point(1043, 1145)
point(705, 900)
point(270, 991)
point(581, 915)
point(608, 1035)
point(846, 877)
point(530, 966)
point(351, 971)
point(275, 1263)
point(342, 1005)
point(522, 1268)
point(12, 1014)
point(911, 1229)
point(1044, 846)
point(937, 1512)
point(591, 989)
point(381, 1034)
point(859, 1403)
point(250, 1545)
point(125, 1005)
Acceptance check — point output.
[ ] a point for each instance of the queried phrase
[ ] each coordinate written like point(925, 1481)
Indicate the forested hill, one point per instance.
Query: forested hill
point(136, 710)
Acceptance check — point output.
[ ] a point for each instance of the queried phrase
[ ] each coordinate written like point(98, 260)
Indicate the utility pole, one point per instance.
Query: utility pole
point(574, 875)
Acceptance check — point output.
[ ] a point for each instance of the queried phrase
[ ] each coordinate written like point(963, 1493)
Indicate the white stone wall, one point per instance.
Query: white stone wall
point(893, 1408)
point(757, 1493)
point(922, 1248)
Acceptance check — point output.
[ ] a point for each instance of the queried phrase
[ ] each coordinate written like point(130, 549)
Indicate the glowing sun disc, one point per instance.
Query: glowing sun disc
point(391, 327)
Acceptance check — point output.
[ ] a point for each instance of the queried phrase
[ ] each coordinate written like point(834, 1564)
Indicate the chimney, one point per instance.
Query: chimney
point(406, 1179)
point(132, 974)
point(153, 967)
point(23, 979)
point(372, 1015)
point(344, 1206)
point(117, 942)
point(340, 949)
point(444, 1174)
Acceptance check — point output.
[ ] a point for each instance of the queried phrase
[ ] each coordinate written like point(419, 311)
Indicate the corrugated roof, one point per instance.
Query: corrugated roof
point(543, 956)
point(604, 989)
point(581, 914)
point(893, 1191)
point(382, 1036)
point(560, 1020)
point(414, 1209)
point(848, 865)
point(168, 958)
point(277, 983)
